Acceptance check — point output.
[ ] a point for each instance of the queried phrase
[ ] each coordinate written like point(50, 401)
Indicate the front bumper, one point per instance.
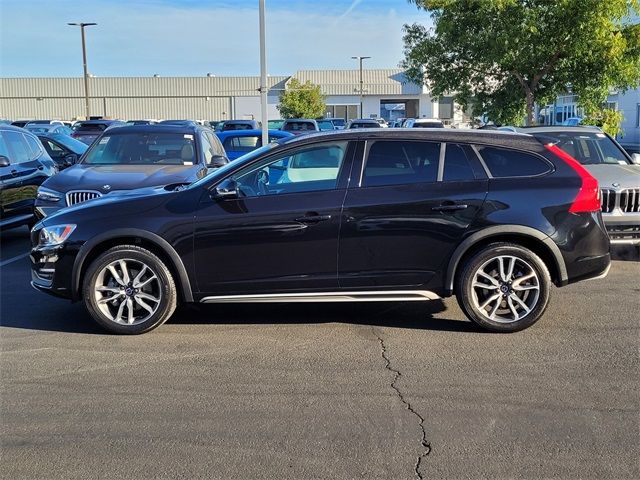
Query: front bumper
point(623, 229)
point(52, 269)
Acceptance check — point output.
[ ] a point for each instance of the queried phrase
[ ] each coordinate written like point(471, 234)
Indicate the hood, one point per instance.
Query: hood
point(627, 176)
point(121, 177)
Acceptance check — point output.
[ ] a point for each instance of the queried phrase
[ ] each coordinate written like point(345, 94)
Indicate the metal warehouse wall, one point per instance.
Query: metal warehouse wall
point(207, 98)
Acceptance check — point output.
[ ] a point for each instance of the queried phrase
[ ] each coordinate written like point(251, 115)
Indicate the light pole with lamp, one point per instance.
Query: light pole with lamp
point(360, 59)
point(84, 65)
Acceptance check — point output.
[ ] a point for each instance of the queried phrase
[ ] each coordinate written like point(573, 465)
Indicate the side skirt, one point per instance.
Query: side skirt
point(383, 296)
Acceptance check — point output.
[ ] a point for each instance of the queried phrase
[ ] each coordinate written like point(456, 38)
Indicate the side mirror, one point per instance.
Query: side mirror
point(4, 161)
point(218, 161)
point(635, 158)
point(70, 159)
point(227, 189)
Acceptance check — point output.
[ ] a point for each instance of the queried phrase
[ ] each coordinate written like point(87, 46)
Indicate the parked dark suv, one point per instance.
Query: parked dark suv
point(360, 215)
point(24, 165)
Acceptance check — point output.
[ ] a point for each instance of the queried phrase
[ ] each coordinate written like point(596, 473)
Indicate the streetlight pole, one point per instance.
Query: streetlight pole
point(360, 59)
point(84, 65)
point(263, 75)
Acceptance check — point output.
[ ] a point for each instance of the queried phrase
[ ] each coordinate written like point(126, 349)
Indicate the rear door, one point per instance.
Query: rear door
point(25, 174)
point(409, 210)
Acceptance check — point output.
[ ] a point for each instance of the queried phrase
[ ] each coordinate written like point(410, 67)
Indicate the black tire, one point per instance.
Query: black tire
point(470, 301)
point(164, 287)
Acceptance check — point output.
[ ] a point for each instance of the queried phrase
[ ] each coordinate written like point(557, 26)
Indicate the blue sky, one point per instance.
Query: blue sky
point(188, 37)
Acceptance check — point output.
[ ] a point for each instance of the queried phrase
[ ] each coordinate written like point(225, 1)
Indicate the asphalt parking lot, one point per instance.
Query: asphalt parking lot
point(321, 391)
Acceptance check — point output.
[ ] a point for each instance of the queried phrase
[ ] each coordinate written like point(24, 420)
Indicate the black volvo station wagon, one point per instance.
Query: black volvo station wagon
point(366, 215)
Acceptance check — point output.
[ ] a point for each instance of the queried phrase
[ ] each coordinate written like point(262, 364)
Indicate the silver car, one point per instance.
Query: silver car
point(617, 172)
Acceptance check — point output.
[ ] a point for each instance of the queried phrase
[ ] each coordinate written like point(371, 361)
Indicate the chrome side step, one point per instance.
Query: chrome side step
point(374, 296)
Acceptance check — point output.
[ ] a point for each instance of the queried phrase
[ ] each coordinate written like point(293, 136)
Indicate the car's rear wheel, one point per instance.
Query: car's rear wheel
point(504, 287)
point(129, 290)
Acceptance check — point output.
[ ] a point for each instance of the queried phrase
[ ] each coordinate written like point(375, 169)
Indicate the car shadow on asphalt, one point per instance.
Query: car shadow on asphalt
point(66, 318)
point(408, 315)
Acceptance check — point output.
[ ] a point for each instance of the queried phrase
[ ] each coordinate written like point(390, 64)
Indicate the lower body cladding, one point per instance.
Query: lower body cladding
point(364, 296)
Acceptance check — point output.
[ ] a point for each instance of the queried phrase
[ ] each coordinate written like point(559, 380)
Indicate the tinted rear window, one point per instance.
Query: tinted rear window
point(503, 162)
point(91, 127)
point(365, 125)
point(298, 126)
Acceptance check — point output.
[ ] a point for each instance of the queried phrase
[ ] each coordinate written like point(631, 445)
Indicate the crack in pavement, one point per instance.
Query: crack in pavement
point(396, 375)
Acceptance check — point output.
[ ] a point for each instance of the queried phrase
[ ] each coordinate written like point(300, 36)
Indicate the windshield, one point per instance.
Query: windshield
point(143, 149)
point(338, 122)
point(71, 143)
point(326, 125)
point(589, 148)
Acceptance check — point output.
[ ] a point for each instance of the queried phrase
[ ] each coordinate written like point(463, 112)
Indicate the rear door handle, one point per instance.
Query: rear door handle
point(313, 218)
point(450, 208)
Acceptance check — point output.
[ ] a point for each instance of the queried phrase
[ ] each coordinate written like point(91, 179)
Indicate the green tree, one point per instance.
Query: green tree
point(503, 56)
point(302, 100)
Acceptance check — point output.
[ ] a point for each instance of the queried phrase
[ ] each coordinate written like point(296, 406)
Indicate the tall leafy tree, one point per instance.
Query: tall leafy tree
point(503, 56)
point(302, 100)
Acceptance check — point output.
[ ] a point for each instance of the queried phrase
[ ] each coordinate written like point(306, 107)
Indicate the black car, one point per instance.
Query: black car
point(359, 215)
point(131, 157)
point(64, 150)
point(24, 165)
point(88, 130)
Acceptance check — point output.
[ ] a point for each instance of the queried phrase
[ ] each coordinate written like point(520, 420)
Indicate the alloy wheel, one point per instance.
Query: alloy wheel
point(505, 289)
point(128, 292)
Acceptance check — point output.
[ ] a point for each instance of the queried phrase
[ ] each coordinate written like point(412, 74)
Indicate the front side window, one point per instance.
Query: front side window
point(503, 162)
point(307, 169)
point(3, 147)
point(143, 149)
point(401, 162)
point(207, 148)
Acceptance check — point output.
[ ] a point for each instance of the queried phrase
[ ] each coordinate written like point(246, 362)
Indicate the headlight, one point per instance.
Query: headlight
point(55, 235)
point(48, 195)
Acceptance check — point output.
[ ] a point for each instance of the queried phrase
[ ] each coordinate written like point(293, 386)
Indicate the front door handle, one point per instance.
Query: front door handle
point(450, 208)
point(313, 218)
point(14, 173)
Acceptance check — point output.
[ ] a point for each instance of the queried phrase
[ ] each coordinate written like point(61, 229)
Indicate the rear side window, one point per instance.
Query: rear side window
point(503, 162)
point(401, 162)
point(18, 147)
point(457, 167)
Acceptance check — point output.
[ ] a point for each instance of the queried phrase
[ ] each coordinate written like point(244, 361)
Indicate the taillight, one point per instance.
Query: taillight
point(588, 198)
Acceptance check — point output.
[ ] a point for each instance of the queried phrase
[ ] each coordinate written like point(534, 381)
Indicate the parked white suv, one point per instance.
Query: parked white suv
point(617, 172)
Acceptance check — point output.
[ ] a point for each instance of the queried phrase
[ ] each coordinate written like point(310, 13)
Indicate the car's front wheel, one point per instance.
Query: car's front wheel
point(504, 287)
point(129, 290)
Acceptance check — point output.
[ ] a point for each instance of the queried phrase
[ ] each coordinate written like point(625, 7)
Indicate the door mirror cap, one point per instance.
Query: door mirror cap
point(635, 158)
point(4, 161)
point(218, 161)
point(227, 189)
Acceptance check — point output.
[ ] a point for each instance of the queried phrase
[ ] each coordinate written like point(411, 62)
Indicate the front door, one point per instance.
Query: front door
point(412, 206)
point(281, 233)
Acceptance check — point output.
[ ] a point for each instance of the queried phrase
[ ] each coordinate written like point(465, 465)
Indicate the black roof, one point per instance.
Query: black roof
point(479, 137)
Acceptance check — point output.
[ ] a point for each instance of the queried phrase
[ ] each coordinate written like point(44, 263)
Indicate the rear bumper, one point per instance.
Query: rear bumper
point(591, 268)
